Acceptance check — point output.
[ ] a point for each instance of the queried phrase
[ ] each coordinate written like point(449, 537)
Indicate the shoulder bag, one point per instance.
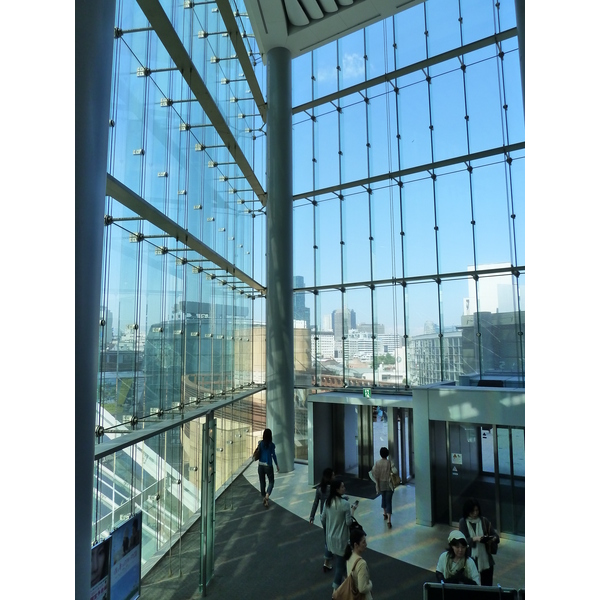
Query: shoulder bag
point(348, 591)
point(492, 546)
point(256, 454)
point(395, 480)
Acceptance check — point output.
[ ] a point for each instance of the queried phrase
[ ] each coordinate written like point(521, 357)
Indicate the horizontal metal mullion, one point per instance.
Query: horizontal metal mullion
point(411, 171)
point(161, 24)
point(413, 279)
point(418, 66)
point(137, 204)
point(135, 437)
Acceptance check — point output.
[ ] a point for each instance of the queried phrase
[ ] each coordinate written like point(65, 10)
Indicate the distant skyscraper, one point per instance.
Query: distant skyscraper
point(301, 311)
point(342, 321)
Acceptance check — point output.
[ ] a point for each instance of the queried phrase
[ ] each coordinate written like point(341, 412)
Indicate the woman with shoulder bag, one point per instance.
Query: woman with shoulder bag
point(356, 568)
point(381, 475)
point(481, 537)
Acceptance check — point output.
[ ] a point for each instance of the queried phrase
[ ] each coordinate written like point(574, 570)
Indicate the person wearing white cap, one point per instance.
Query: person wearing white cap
point(454, 566)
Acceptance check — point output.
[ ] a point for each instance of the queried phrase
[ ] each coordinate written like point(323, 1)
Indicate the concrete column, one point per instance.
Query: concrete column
point(94, 37)
point(280, 315)
point(422, 461)
point(520, 14)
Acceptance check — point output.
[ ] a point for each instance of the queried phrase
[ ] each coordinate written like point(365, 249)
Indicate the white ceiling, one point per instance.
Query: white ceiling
point(303, 25)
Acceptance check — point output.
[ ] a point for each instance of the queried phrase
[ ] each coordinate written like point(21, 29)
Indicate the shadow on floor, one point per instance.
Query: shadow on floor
point(268, 553)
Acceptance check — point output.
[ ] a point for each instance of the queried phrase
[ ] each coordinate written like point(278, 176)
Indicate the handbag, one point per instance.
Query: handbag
point(256, 454)
point(492, 546)
point(348, 591)
point(395, 480)
point(356, 525)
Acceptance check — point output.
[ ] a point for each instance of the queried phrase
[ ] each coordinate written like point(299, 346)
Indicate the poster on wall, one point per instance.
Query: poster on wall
point(100, 563)
point(126, 560)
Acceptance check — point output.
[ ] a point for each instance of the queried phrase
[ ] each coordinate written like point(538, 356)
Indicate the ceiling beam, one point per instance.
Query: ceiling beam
point(128, 198)
point(242, 54)
point(168, 36)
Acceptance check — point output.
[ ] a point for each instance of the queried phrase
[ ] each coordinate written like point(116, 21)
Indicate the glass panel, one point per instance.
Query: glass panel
point(517, 178)
point(304, 243)
point(353, 133)
point(301, 76)
point(477, 20)
point(443, 26)
point(328, 232)
point(448, 114)
point(351, 59)
point(388, 328)
point(301, 424)
point(492, 235)
point(302, 141)
point(483, 105)
point(409, 36)
point(376, 49)
point(452, 295)
point(385, 233)
point(453, 214)
point(327, 145)
point(415, 136)
point(358, 329)
point(383, 125)
point(513, 96)
point(423, 351)
point(325, 74)
point(419, 233)
point(356, 247)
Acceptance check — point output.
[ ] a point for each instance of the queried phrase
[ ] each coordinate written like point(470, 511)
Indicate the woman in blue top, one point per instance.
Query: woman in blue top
point(265, 465)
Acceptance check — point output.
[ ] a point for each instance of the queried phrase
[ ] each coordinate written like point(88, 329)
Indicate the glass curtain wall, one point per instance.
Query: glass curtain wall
point(182, 310)
point(409, 199)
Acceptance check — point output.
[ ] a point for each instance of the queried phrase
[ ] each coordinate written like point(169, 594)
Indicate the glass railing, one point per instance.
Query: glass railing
point(158, 470)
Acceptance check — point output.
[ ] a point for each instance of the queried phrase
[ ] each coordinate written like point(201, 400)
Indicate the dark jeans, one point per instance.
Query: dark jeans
point(268, 471)
point(339, 570)
point(386, 501)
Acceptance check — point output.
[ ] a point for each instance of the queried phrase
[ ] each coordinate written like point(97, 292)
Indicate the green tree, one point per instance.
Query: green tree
point(384, 359)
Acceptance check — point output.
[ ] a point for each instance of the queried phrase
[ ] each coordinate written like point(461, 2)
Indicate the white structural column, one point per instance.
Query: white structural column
point(279, 306)
point(94, 37)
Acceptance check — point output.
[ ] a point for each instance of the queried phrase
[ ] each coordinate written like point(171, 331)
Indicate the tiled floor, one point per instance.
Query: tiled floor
point(414, 544)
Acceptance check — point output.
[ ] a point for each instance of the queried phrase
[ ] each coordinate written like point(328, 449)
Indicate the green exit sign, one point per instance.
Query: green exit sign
point(367, 392)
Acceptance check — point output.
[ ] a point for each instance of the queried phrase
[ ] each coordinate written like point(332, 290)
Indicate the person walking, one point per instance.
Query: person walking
point(266, 459)
point(481, 537)
point(336, 518)
point(381, 474)
point(321, 495)
point(356, 565)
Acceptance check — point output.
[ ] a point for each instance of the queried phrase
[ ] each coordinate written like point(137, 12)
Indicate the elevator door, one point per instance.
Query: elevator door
point(472, 468)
